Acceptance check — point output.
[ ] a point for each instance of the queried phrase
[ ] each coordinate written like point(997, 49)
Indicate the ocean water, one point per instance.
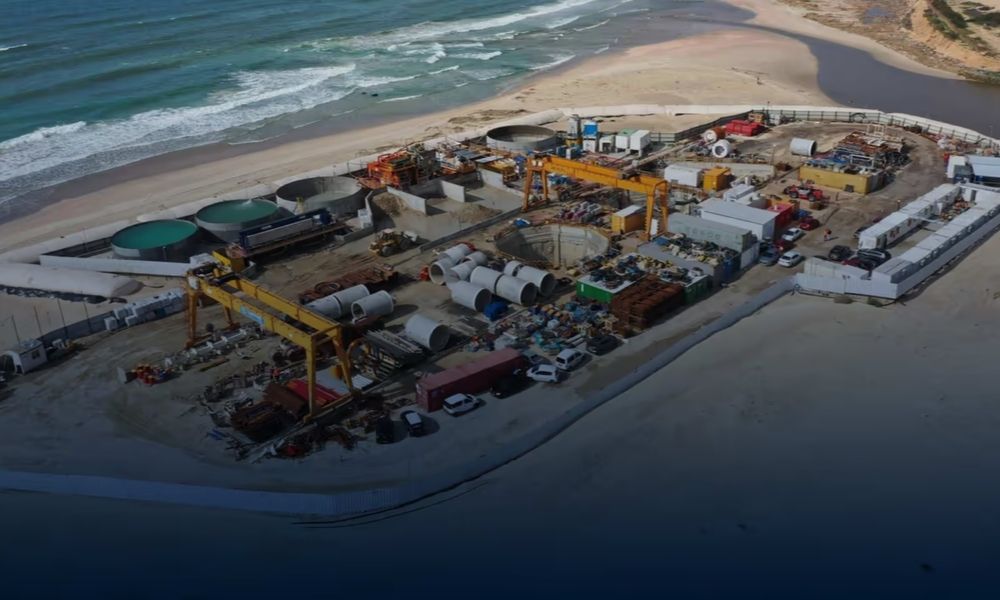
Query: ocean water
point(87, 86)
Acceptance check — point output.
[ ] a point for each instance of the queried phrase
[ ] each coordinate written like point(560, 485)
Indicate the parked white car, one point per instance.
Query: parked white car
point(792, 234)
point(545, 374)
point(790, 259)
point(569, 359)
point(458, 404)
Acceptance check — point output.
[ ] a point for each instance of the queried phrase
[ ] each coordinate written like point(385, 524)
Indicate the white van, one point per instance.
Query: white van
point(459, 404)
point(569, 359)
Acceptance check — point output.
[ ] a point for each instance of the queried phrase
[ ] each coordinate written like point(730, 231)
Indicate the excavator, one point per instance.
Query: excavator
point(390, 241)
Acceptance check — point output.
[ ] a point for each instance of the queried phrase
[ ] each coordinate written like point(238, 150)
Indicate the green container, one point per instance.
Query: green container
point(592, 292)
point(697, 289)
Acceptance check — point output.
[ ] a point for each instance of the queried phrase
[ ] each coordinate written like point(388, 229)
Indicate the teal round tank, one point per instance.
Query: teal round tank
point(226, 219)
point(167, 239)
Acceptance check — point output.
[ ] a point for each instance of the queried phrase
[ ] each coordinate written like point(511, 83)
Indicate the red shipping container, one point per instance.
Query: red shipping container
point(785, 214)
point(323, 395)
point(741, 127)
point(471, 378)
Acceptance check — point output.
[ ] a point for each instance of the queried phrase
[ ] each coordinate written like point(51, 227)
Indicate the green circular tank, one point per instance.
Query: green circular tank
point(225, 220)
point(167, 239)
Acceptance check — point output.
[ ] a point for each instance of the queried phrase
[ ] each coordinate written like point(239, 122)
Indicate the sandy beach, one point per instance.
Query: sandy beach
point(748, 65)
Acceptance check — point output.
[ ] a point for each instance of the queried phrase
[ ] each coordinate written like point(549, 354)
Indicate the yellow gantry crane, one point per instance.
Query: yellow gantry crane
point(656, 190)
point(295, 323)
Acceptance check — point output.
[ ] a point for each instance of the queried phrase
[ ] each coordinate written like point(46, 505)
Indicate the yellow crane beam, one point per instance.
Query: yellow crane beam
point(656, 190)
point(307, 340)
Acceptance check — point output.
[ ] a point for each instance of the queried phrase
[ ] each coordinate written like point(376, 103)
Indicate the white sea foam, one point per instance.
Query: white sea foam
point(444, 70)
point(594, 26)
point(557, 60)
point(562, 22)
point(256, 96)
point(478, 55)
point(486, 74)
point(433, 30)
point(401, 98)
point(14, 47)
point(602, 49)
point(465, 45)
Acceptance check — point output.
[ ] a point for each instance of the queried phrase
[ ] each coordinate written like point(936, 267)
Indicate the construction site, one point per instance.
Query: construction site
point(408, 313)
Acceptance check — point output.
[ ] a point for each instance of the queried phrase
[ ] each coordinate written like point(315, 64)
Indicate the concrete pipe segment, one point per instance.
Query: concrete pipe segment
point(376, 305)
point(427, 332)
point(485, 277)
point(516, 290)
point(456, 253)
point(439, 270)
point(478, 258)
point(470, 295)
point(337, 304)
point(543, 280)
point(722, 148)
point(802, 147)
point(463, 271)
point(512, 267)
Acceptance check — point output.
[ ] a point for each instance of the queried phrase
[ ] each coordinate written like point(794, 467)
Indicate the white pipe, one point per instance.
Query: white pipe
point(543, 280)
point(477, 258)
point(427, 332)
point(802, 147)
point(67, 281)
point(457, 252)
point(439, 269)
point(469, 295)
point(485, 277)
point(336, 305)
point(464, 271)
point(377, 305)
point(516, 290)
point(511, 268)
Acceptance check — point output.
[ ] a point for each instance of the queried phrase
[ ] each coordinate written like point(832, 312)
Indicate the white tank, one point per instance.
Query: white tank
point(464, 271)
point(714, 134)
point(67, 281)
point(543, 280)
point(456, 253)
point(722, 148)
point(427, 332)
point(338, 304)
point(516, 290)
point(485, 277)
point(376, 305)
point(802, 147)
point(469, 295)
point(511, 267)
point(439, 269)
point(478, 258)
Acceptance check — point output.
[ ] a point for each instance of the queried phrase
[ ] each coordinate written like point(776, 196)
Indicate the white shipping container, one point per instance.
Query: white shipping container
point(759, 222)
point(683, 175)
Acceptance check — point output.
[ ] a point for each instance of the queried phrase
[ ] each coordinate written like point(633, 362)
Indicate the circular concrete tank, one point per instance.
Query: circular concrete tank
point(557, 245)
point(522, 138)
point(470, 295)
point(225, 220)
point(427, 332)
point(339, 195)
point(168, 239)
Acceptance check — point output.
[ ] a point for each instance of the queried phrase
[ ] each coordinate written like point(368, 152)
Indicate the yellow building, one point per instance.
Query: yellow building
point(716, 179)
point(857, 182)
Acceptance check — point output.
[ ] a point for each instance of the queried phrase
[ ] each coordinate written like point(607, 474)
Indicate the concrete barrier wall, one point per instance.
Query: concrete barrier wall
point(493, 179)
point(453, 191)
point(411, 201)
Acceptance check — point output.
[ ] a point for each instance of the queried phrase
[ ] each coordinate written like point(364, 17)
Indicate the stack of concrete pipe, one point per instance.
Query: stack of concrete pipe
point(506, 286)
point(427, 332)
point(441, 269)
point(376, 305)
point(470, 295)
point(339, 304)
point(543, 280)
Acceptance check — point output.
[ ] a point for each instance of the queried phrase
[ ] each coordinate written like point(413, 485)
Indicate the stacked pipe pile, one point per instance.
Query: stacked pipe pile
point(442, 270)
point(640, 305)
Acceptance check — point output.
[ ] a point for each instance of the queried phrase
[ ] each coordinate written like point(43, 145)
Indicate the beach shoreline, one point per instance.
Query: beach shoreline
point(754, 65)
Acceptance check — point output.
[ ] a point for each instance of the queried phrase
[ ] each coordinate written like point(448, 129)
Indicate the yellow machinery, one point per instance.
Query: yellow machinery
point(307, 329)
point(656, 190)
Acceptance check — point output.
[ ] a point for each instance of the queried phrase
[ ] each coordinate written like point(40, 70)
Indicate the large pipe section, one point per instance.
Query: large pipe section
point(516, 290)
point(439, 270)
point(338, 304)
point(802, 147)
point(485, 277)
point(722, 148)
point(470, 295)
point(543, 280)
point(66, 281)
point(511, 267)
point(463, 271)
point(456, 253)
point(478, 259)
point(376, 305)
point(427, 332)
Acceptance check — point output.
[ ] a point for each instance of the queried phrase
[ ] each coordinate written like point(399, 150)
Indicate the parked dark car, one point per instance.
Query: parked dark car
point(769, 256)
point(510, 385)
point(385, 431)
point(414, 422)
point(861, 262)
point(875, 254)
point(840, 253)
point(602, 344)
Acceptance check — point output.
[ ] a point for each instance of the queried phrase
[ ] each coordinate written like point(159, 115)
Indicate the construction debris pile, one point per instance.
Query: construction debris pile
point(705, 252)
point(550, 327)
point(376, 278)
point(871, 149)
